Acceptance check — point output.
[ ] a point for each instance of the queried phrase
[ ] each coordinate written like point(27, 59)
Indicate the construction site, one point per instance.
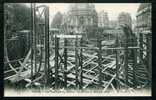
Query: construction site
point(66, 59)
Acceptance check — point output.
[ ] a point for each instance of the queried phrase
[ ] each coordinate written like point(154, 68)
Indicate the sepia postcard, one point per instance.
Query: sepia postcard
point(77, 49)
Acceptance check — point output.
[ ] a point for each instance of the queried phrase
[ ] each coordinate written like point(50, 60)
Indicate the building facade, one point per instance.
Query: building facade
point(103, 20)
point(144, 27)
point(81, 16)
point(144, 17)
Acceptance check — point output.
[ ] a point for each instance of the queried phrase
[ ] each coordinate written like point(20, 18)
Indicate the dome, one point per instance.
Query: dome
point(82, 6)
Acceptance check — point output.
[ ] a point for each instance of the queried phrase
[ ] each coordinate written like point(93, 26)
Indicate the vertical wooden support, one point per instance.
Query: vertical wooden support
point(32, 50)
point(46, 45)
point(35, 38)
point(117, 65)
point(141, 49)
point(141, 46)
point(134, 42)
point(48, 41)
point(150, 56)
point(45, 54)
point(81, 65)
point(65, 63)
point(126, 60)
point(56, 61)
point(99, 61)
point(76, 61)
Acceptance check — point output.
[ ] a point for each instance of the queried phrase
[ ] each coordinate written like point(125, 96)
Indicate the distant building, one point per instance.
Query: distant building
point(144, 17)
point(80, 16)
point(134, 26)
point(103, 20)
point(57, 20)
point(113, 24)
point(125, 18)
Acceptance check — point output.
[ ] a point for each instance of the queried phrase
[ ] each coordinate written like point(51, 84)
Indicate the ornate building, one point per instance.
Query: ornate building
point(144, 17)
point(80, 16)
point(103, 20)
point(144, 27)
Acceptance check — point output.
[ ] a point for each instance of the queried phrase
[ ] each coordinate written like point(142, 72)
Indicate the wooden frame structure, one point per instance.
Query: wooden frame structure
point(72, 63)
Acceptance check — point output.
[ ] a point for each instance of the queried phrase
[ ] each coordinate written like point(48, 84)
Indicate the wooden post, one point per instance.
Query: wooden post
point(65, 63)
point(76, 61)
point(141, 46)
point(81, 65)
point(35, 38)
point(117, 65)
point(32, 49)
point(126, 60)
point(149, 57)
point(46, 46)
point(48, 41)
point(99, 61)
point(56, 61)
point(134, 43)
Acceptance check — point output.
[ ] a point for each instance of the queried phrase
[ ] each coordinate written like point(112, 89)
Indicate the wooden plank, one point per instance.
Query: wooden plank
point(95, 78)
point(90, 77)
point(10, 70)
point(87, 62)
point(8, 61)
point(21, 68)
point(119, 48)
point(30, 82)
point(24, 62)
point(113, 88)
point(90, 55)
point(70, 83)
point(22, 65)
point(95, 48)
point(109, 83)
point(68, 36)
point(11, 66)
point(16, 77)
point(91, 81)
point(90, 70)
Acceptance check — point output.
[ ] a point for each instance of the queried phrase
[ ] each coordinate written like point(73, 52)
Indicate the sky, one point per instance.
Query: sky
point(113, 9)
